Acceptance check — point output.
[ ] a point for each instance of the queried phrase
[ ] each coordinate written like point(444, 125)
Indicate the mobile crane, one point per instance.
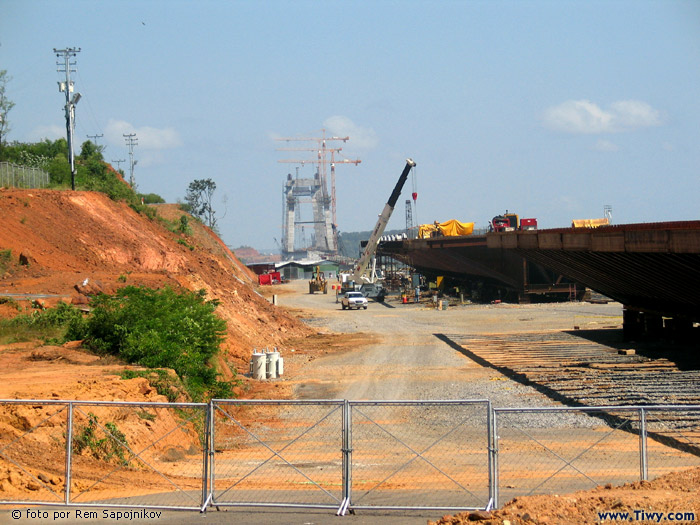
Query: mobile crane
point(360, 270)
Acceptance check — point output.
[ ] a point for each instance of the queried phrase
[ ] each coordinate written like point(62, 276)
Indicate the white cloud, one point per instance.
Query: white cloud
point(360, 138)
point(47, 132)
point(148, 137)
point(584, 116)
point(605, 145)
point(636, 114)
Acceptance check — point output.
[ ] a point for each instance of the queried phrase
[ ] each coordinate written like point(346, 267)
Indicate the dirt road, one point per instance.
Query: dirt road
point(414, 359)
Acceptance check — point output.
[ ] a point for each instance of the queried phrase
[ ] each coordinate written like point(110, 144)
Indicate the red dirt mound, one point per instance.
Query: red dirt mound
point(67, 245)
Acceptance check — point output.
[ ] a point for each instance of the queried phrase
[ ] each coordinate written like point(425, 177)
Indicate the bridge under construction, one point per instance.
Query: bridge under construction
point(653, 269)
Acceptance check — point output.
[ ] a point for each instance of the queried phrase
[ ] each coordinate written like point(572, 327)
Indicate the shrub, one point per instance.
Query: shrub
point(184, 226)
point(151, 198)
point(107, 448)
point(5, 259)
point(159, 329)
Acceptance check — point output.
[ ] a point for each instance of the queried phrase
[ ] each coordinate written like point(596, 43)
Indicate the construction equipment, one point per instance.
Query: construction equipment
point(509, 222)
point(318, 283)
point(359, 273)
point(590, 223)
point(451, 228)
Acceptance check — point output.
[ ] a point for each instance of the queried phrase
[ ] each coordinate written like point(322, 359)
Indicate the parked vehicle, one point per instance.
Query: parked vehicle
point(373, 291)
point(354, 300)
point(510, 222)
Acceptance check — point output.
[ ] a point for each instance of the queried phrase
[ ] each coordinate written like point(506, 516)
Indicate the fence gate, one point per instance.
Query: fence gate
point(277, 453)
point(431, 455)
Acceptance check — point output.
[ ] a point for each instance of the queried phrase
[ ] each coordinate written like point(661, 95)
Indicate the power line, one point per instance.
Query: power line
point(89, 105)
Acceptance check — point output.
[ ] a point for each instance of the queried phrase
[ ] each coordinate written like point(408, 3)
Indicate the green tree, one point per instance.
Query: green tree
point(90, 150)
point(199, 198)
point(5, 106)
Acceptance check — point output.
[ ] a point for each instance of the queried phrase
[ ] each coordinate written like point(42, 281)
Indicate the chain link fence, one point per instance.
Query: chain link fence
point(14, 176)
point(566, 449)
point(103, 453)
point(329, 454)
point(277, 453)
point(419, 454)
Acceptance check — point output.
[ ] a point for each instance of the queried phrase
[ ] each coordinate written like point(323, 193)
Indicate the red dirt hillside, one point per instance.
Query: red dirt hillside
point(62, 239)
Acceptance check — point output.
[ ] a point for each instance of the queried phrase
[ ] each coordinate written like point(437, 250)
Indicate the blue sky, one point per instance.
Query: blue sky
point(550, 109)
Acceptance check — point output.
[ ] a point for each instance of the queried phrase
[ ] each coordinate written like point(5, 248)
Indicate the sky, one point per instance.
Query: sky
point(548, 109)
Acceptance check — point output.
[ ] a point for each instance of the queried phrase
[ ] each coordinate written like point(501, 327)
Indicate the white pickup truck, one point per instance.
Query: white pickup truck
point(354, 300)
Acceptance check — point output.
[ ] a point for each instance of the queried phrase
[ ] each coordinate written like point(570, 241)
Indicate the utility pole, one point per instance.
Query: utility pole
point(119, 163)
point(96, 137)
point(131, 141)
point(64, 65)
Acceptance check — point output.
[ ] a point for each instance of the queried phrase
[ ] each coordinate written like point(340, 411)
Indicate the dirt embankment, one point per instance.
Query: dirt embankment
point(674, 497)
point(67, 245)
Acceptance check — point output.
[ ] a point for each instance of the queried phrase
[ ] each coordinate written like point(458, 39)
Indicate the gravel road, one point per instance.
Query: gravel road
point(412, 361)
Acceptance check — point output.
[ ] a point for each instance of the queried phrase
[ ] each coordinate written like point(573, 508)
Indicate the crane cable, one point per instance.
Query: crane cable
point(414, 184)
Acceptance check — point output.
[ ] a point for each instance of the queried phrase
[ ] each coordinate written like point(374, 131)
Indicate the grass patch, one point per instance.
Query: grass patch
point(185, 244)
point(109, 448)
point(49, 325)
point(144, 414)
point(5, 260)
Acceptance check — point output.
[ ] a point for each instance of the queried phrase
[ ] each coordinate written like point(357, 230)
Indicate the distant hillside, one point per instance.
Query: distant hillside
point(250, 255)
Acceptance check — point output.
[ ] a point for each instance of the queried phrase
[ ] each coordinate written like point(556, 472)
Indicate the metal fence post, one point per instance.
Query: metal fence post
point(494, 431)
point(69, 450)
point(643, 458)
point(205, 458)
point(490, 449)
point(348, 446)
point(347, 459)
point(211, 451)
point(345, 449)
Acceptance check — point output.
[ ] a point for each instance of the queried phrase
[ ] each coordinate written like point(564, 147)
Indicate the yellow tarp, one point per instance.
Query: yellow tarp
point(589, 223)
point(451, 228)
